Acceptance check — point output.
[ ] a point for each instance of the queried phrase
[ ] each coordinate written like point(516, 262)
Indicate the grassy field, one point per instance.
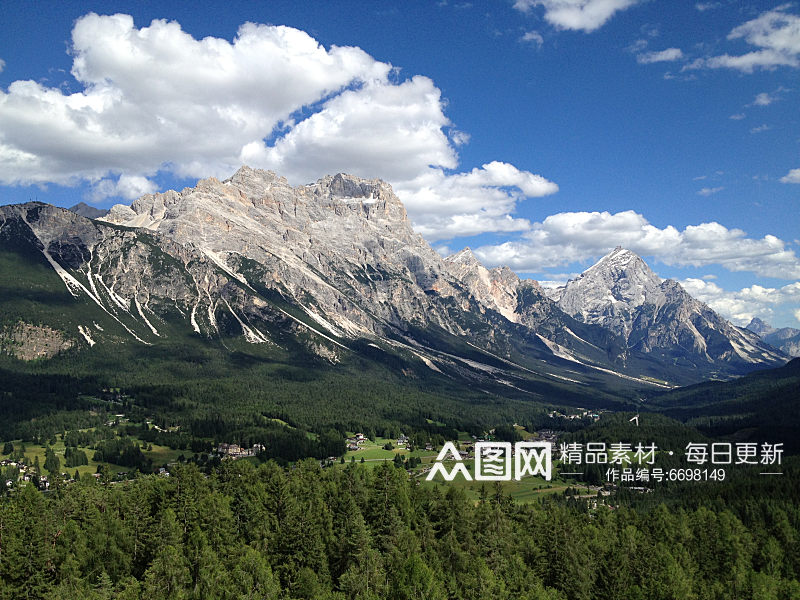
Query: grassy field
point(528, 489)
point(160, 455)
point(526, 435)
point(373, 450)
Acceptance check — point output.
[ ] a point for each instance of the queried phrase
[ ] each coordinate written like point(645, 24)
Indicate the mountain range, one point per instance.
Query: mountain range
point(334, 270)
point(786, 339)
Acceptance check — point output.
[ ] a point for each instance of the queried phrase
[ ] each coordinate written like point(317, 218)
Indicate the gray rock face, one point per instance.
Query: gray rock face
point(760, 328)
point(621, 293)
point(130, 278)
point(344, 242)
point(611, 291)
point(492, 288)
point(90, 212)
point(336, 263)
point(786, 339)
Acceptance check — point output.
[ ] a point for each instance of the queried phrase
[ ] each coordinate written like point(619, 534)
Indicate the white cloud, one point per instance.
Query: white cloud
point(446, 206)
point(668, 55)
point(128, 187)
point(564, 238)
point(393, 131)
point(157, 99)
point(737, 117)
point(557, 280)
point(764, 99)
point(704, 6)
point(775, 34)
point(637, 46)
point(2, 65)
point(760, 129)
point(706, 191)
point(459, 138)
point(792, 176)
point(797, 315)
point(740, 306)
point(156, 95)
point(534, 37)
point(580, 15)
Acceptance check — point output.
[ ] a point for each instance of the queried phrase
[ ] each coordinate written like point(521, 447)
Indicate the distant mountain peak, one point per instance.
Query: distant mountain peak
point(619, 279)
point(786, 339)
point(90, 212)
point(619, 260)
point(759, 327)
point(620, 292)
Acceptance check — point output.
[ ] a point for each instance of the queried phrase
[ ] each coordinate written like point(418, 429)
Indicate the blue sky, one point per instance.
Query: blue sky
point(541, 133)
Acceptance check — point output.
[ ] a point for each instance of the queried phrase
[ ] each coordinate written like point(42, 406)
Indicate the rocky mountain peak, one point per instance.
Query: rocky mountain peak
point(622, 263)
point(621, 293)
point(247, 174)
point(759, 327)
point(343, 185)
point(786, 339)
point(620, 281)
point(509, 277)
point(492, 288)
point(232, 256)
point(463, 257)
point(90, 212)
point(370, 197)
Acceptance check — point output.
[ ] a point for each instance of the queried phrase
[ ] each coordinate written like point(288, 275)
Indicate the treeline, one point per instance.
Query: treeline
point(212, 392)
point(38, 405)
point(649, 428)
point(371, 534)
point(759, 407)
point(124, 452)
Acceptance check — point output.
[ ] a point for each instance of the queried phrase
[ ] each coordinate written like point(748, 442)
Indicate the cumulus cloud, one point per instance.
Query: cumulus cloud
point(128, 187)
point(668, 55)
point(446, 206)
point(706, 191)
point(156, 99)
point(392, 131)
point(740, 306)
point(792, 176)
point(443, 250)
point(775, 35)
point(564, 238)
point(737, 117)
point(156, 95)
point(579, 15)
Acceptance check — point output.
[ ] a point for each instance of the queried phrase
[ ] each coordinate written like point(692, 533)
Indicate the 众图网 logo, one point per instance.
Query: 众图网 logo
point(497, 461)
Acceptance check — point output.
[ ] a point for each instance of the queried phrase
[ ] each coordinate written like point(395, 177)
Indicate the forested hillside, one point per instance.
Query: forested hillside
point(762, 405)
point(359, 533)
